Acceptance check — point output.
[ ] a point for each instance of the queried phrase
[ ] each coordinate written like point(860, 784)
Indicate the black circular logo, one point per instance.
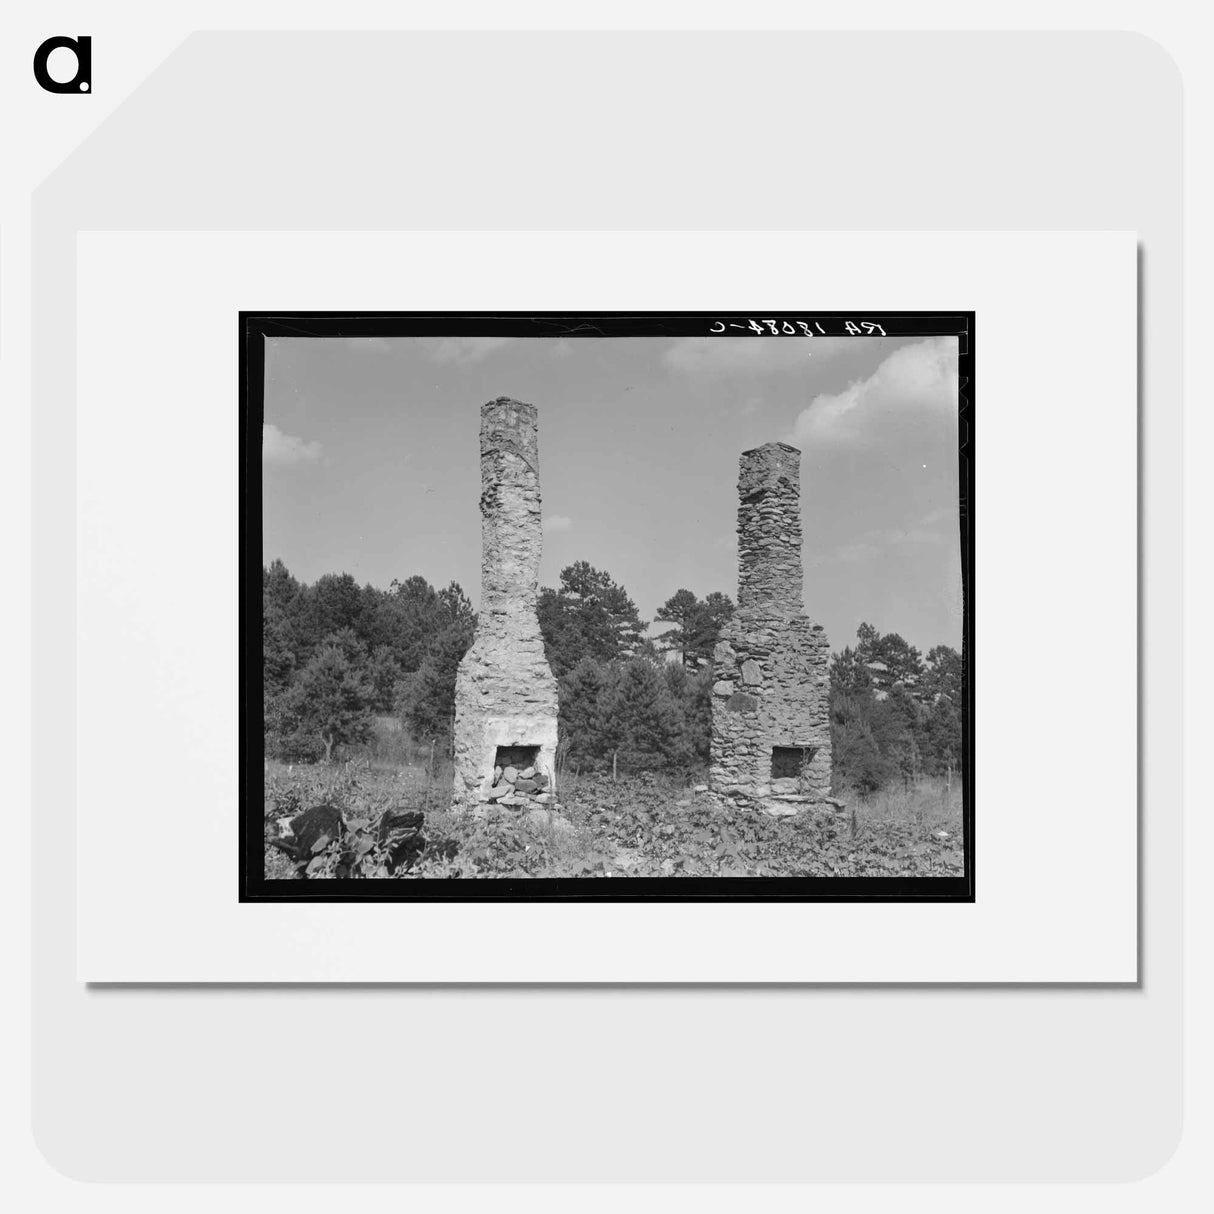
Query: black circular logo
point(82, 48)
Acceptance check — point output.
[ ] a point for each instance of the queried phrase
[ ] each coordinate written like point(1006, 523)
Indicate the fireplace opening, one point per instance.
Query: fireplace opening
point(518, 757)
point(789, 762)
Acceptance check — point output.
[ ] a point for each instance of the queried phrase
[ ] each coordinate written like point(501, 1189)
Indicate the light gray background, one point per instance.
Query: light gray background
point(823, 131)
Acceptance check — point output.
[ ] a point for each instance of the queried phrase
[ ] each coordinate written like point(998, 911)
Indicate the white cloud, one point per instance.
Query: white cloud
point(465, 349)
point(558, 522)
point(919, 379)
point(751, 353)
point(284, 450)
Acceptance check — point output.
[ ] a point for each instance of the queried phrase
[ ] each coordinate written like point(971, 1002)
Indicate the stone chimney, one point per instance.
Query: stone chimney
point(771, 690)
point(511, 526)
point(505, 691)
point(769, 529)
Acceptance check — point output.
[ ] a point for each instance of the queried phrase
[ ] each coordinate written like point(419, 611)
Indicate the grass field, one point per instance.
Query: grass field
point(643, 826)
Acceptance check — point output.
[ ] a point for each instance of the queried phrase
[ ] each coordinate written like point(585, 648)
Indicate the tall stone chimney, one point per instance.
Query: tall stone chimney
point(505, 691)
point(771, 690)
point(769, 529)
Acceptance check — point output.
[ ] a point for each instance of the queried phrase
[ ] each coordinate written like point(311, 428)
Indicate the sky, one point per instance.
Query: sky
point(371, 463)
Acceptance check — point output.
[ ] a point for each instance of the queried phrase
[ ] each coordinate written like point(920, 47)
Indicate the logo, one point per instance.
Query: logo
point(82, 48)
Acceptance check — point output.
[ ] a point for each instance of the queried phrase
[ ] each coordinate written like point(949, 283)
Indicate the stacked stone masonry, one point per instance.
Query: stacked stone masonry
point(771, 689)
point(528, 787)
point(505, 691)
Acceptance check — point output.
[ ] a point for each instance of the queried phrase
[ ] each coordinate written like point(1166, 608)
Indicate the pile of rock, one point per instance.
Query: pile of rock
point(528, 788)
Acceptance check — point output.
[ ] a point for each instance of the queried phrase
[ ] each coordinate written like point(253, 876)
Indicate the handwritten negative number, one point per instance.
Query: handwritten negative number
point(799, 328)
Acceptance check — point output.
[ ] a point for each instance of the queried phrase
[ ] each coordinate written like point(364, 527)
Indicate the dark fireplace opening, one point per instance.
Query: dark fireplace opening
point(788, 762)
point(520, 757)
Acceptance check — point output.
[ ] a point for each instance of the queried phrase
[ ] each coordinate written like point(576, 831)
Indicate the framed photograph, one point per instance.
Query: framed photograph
point(471, 637)
point(607, 606)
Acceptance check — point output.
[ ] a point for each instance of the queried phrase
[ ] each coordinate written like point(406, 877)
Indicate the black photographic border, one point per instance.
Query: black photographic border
point(255, 326)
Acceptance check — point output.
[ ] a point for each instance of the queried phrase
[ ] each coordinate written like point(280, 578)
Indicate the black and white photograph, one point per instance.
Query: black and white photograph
point(599, 606)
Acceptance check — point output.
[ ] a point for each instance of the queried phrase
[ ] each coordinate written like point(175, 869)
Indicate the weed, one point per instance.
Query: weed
point(398, 824)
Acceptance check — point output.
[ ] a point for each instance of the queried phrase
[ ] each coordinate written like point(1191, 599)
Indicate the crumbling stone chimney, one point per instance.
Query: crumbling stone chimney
point(771, 690)
point(505, 691)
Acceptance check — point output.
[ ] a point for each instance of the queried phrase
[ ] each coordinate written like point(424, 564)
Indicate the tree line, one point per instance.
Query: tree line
point(336, 655)
point(893, 714)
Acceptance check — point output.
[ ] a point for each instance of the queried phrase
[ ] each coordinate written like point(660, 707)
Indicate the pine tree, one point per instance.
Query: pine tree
point(332, 700)
point(697, 625)
point(589, 616)
point(680, 610)
point(427, 697)
point(857, 760)
point(943, 675)
point(850, 675)
point(643, 723)
point(278, 587)
point(349, 642)
point(383, 671)
point(944, 737)
point(692, 692)
point(891, 713)
point(583, 730)
point(277, 656)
